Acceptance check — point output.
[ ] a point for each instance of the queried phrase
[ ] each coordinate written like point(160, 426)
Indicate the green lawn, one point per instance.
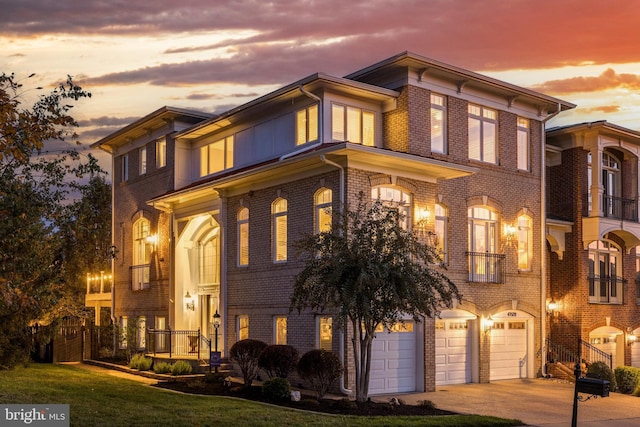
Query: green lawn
point(103, 400)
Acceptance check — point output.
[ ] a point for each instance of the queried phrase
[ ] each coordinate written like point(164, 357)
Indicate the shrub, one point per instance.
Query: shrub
point(320, 368)
point(162, 367)
point(602, 371)
point(245, 353)
point(278, 360)
point(181, 367)
point(276, 390)
point(627, 379)
point(140, 362)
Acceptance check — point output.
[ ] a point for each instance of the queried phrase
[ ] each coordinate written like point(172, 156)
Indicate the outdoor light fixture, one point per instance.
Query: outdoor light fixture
point(487, 324)
point(216, 325)
point(631, 338)
point(152, 239)
point(510, 233)
point(189, 303)
point(552, 308)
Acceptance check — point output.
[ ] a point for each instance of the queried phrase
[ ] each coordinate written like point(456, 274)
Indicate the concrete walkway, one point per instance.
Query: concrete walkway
point(536, 402)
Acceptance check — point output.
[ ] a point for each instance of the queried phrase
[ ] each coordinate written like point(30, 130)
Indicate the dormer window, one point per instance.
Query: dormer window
point(352, 124)
point(217, 156)
point(307, 125)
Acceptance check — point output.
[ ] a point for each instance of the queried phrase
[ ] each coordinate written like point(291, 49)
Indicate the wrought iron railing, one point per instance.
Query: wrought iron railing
point(592, 354)
point(177, 343)
point(614, 207)
point(485, 267)
point(587, 352)
point(606, 289)
point(559, 353)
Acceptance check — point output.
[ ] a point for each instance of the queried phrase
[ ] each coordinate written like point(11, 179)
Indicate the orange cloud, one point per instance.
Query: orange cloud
point(603, 109)
point(608, 80)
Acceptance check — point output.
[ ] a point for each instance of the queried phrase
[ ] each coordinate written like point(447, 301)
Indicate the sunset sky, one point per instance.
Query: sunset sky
point(136, 56)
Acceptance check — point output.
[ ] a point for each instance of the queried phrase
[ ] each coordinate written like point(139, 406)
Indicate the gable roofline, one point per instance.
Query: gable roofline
point(600, 125)
point(423, 64)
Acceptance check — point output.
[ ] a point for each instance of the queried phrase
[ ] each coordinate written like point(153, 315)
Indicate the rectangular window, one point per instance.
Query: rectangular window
point(280, 330)
point(161, 153)
point(242, 327)
point(307, 125)
point(124, 326)
point(523, 144)
point(352, 124)
point(441, 232)
point(142, 332)
point(243, 237)
point(217, 156)
point(161, 338)
point(525, 244)
point(438, 124)
point(279, 233)
point(483, 127)
point(124, 166)
point(143, 161)
point(325, 333)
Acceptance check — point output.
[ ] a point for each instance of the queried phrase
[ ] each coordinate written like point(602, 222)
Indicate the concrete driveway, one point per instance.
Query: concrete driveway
point(537, 402)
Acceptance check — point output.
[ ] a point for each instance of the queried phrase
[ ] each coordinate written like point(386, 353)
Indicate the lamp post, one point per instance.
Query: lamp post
point(216, 325)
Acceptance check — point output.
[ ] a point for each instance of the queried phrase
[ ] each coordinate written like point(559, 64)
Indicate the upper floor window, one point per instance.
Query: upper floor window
point(438, 124)
point(217, 156)
point(209, 258)
point(142, 247)
point(307, 125)
point(324, 333)
point(605, 271)
point(143, 161)
point(124, 168)
point(525, 242)
point(280, 327)
point(485, 264)
point(396, 198)
point(637, 281)
point(352, 124)
point(279, 233)
point(323, 199)
point(523, 144)
point(161, 153)
point(483, 133)
point(243, 236)
point(441, 231)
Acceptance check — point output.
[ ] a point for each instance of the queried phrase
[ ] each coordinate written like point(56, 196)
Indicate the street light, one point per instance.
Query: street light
point(216, 325)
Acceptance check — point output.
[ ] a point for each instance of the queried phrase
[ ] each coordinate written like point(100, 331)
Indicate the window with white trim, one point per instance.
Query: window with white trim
point(395, 198)
point(441, 219)
point(161, 153)
point(217, 156)
point(525, 242)
point(209, 257)
point(637, 281)
point(307, 125)
point(280, 330)
point(124, 168)
point(324, 330)
point(141, 334)
point(242, 327)
point(352, 124)
point(438, 124)
point(143, 161)
point(323, 199)
point(523, 144)
point(243, 236)
point(485, 264)
point(605, 271)
point(279, 229)
point(142, 248)
point(483, 134)
point(124, 326)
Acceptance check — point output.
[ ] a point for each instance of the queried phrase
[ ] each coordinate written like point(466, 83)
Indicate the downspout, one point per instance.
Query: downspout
point(543, 243)
point(343, 389)
point(320, 122)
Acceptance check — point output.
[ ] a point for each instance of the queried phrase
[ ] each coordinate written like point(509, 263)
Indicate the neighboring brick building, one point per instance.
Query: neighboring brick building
point(594, 239)
point(459, 153)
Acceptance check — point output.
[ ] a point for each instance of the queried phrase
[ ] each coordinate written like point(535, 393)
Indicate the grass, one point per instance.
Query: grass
point(103, 400)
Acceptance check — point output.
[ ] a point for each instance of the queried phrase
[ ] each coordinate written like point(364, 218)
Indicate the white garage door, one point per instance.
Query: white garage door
point(635, 350)
point(453, 351)
point(393, 360)
point(508, 349)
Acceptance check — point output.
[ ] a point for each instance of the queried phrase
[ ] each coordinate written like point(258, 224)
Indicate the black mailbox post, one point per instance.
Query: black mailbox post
point(593, 386)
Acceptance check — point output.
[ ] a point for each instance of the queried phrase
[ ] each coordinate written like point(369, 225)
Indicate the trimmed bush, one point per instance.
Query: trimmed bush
point(162, 368)
point(276, 390)
point(320, 369)
point(627, 378)
point(245, 353)
point(181, 367)
point(140, 362)
point(278, 360)
point(602, 371)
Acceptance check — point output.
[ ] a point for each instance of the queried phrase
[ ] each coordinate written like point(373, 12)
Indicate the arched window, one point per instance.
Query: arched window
point(279, 229)
point(525, 242)
point(208, 258)
point(396, 198)
point(141, 255)
point(605, 269)
point(243, 236)
point(322, 202)
point(485, 264)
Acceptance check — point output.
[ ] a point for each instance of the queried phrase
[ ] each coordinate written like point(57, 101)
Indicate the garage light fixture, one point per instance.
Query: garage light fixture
point(631, 338)
point(487, 324)
point(553, 308)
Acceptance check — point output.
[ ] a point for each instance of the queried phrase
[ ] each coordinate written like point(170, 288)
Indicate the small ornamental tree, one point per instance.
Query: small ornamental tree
point(320, 368)
point(246, 353)
point(373, 272)
point(278, 360)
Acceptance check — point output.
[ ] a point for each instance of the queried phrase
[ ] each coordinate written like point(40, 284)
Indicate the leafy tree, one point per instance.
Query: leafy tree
point(34, 194)
point(373, 272)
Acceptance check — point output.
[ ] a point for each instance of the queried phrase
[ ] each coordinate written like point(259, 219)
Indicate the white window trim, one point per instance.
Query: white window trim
point(239, 224)
point(238, 321)
point(525, 130)
point(161, 153)
point(124, 165)
point(142, 154)
point(275, 330)
point(442, 108)
point(274, 231)
point(482, 145)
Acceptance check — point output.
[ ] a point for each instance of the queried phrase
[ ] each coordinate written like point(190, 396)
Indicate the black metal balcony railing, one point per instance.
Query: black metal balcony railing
point(485, 267)
point(606, 289)
point(139, 277)
point(614, 207)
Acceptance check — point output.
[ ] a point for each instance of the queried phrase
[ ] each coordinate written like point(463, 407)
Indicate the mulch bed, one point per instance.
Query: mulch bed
point(330, 406)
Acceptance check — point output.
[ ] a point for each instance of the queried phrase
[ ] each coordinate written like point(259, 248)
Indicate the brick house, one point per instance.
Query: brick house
point(212, 230)
point(594, 240)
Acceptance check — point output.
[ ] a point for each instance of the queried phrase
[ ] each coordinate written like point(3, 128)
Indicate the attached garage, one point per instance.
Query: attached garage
point(454, 358)
point(635, 350)
point(394, 360)
point(511, 344)
point(611, 341)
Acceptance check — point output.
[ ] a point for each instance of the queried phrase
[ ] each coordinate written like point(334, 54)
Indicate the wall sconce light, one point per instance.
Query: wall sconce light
point(422, 216)
point(510, 233)
point(152, 239)
point(189, 303)
point(487, 324)
point(631, 338)
point(552, 308)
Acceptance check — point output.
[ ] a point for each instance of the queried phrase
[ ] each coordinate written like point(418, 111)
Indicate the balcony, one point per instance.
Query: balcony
point(139, 276)
point(485, 267)
point(605, 289)
point(98, 288)
point(615, 207)
point(609, 214)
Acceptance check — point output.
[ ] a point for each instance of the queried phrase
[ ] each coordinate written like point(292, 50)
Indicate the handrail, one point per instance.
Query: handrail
point(175, 342)
point(486, 267)
point(559, 353)
point(594, 354)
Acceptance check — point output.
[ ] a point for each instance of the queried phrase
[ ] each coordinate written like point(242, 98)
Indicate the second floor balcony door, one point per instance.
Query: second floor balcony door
point(611, 186)
point(483, 224)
